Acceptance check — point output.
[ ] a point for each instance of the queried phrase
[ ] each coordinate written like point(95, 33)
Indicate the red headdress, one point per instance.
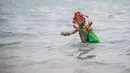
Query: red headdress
point(79, 17)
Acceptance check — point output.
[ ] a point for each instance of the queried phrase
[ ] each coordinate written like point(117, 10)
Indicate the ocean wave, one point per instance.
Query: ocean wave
point(98, 63)
point(9, 33)
point(5, 13)
point(8, 57)
point(3, 20)
point(11, 43)
point(126, 70)
point(119, 41)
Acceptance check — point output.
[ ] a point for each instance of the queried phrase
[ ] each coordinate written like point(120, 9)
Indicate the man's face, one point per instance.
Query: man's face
point(78, 19)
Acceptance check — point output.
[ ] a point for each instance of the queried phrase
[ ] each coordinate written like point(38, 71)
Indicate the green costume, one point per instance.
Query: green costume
point(87, 36)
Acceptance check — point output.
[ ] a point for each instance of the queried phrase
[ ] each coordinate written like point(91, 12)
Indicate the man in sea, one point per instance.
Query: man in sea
point(82, 24)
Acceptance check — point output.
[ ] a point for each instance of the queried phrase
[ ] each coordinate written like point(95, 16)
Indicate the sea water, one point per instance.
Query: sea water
point(30, 40)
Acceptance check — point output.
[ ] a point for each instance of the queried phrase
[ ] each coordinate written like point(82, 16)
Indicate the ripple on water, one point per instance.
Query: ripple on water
point(12, 43)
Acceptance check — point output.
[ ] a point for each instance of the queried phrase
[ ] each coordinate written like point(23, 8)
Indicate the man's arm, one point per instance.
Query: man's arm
point(69, 33)
point(72, 32)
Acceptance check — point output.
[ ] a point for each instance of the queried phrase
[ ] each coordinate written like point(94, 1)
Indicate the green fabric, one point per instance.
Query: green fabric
point(88, 36)
point(92, 37)
point(66, 33)
point(84, 33)
point(83, 36)
point(81, 26)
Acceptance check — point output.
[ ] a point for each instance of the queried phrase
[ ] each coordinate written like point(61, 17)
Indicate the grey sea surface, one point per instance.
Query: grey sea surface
point(30, 40)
